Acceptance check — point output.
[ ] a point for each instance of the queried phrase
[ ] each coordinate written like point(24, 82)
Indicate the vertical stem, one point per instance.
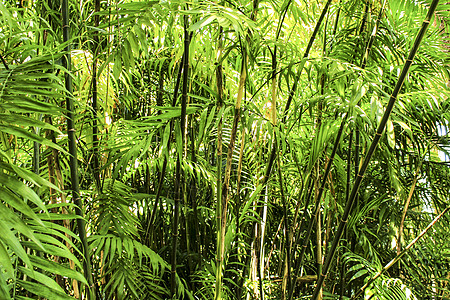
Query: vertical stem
point(95, 143)
point(305, 56)
point(178, 176)
point(149, 231)
point(349, 165)
point(73, 153)
point(219, 253)
point(261, 245)
point(319, 248)
point(317, 203)
point(322, 186)
point(222, 207)
point(286, 230)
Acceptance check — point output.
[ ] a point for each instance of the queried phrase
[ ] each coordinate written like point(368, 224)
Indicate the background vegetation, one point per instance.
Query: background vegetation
point(224, 149)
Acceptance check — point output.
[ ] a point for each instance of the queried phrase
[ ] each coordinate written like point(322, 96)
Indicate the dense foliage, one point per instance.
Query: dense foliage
point(224, 149)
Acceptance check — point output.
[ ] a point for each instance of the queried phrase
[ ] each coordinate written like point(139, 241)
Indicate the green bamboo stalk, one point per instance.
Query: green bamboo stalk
point(297, 78)
point(227, 175)
point(219, 252)
point(373, 146)
point(178, 176)
point(273, 120)
point(73, 152)
point(347, 195)
point(288, 103)
point(319, 249)
point(286, 225)
point(398, 256)
point(405, 208)
point(226, 181)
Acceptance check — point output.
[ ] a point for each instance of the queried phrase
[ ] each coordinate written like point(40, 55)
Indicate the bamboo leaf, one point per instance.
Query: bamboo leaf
point(43, 291)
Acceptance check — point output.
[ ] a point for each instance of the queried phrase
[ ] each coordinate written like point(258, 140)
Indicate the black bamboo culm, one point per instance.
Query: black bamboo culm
point(294, 87)
point(305, 56)
point(73, 153)
point(373, 146)
point(317, 204)
point(322, 188)
point(164, 165)
point(178, 175)
point(369, 45)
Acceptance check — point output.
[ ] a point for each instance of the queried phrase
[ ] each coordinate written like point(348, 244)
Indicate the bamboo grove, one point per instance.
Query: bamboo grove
point(245, 149)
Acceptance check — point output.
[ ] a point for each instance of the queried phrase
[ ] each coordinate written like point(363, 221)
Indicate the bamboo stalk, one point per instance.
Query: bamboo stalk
point(219, 252)
point(226, 181)
point(286, 230)
point(95, 142)
point(291, 95)
point(305, 57)
point(273, 108)
point(73, 153)
point(373, 146)
point(347, 195)
point(365, 56)
point(319, 249)
point(405, 208)
point(322, 186)
point(56, 177)
point(317, 203)
point(178, 176)
point(148, 231)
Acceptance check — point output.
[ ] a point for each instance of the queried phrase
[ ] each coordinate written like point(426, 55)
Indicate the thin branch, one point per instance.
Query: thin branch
point(396, 258)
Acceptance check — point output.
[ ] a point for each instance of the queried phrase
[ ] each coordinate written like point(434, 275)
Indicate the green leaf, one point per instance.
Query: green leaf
point(43, 291)
point(13, 243)
point(202, 23)
point(390, 133)
point(5, 261)
point(359, 274)
point(25, 134)
point(57, 268)
point(21, 189)
point(41, 278)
